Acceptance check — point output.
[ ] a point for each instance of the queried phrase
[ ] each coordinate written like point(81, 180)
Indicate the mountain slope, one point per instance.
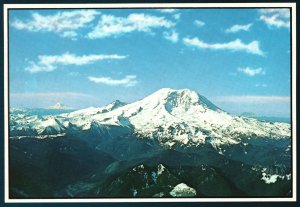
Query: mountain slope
point(171, 143)
point(169, 116)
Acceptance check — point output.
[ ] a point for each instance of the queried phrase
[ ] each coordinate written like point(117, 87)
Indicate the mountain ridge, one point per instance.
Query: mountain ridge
point(171, 143)
point(169, 116)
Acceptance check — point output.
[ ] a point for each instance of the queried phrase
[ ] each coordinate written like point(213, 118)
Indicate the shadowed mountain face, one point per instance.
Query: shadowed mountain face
point(173, 143)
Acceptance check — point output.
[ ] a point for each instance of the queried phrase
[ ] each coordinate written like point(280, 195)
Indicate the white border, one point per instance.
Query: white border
point(6, 107)
point(294, 95)
point(150, 5)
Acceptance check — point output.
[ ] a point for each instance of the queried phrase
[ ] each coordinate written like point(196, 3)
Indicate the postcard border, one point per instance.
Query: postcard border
point(293, 48)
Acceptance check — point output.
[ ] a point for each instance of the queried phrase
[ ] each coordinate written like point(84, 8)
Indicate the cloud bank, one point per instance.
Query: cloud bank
point(110, 25)
point(277, 18)
point(63, 23)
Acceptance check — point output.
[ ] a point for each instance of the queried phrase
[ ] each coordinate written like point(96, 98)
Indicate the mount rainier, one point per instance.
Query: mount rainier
point(170, 116)
point(115, 151)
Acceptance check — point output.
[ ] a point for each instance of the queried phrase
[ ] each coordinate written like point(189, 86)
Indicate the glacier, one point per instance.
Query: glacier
point(169, 116)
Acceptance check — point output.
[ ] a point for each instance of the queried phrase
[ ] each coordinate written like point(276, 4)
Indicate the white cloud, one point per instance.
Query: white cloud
point(171, 11)
point(275, 17)
point(110, 25)
point(47, 63)
point(199, 23)
point(238, 27)
point(62, 23)
point(167, 10)
point(172, 36)
point(282, 12)
point(251, 71)
point(128, 81)
point(236, 45)
point(253, 99)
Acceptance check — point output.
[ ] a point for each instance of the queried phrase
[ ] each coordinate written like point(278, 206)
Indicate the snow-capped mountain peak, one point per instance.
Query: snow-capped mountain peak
point(59, 106)
point(184, 99)
point(171, 117)
point(114, 105)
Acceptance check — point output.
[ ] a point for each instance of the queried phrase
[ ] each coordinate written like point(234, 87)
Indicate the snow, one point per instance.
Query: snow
point(273, 178)
point(84, 112)
point(140, 167)
point(270, 178)
point(49, 122)
point(182, 190)
point(160, 169)
point(59, 106)
point(168, 115)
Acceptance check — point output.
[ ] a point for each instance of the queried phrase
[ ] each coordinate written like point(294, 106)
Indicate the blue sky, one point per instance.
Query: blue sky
point(237, 58)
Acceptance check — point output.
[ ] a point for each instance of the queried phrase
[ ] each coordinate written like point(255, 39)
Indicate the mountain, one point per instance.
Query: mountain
point(59, 106)
point(204, 151)
point(169, 116)
point(249, 114)
point(267, 118)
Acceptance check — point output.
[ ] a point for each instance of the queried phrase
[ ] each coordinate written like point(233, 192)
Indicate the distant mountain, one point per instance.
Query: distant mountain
point(172, 143)
point(266, 118)
point(59, 106)
point(274, 119)
point(249, 114)
point(170, 116)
